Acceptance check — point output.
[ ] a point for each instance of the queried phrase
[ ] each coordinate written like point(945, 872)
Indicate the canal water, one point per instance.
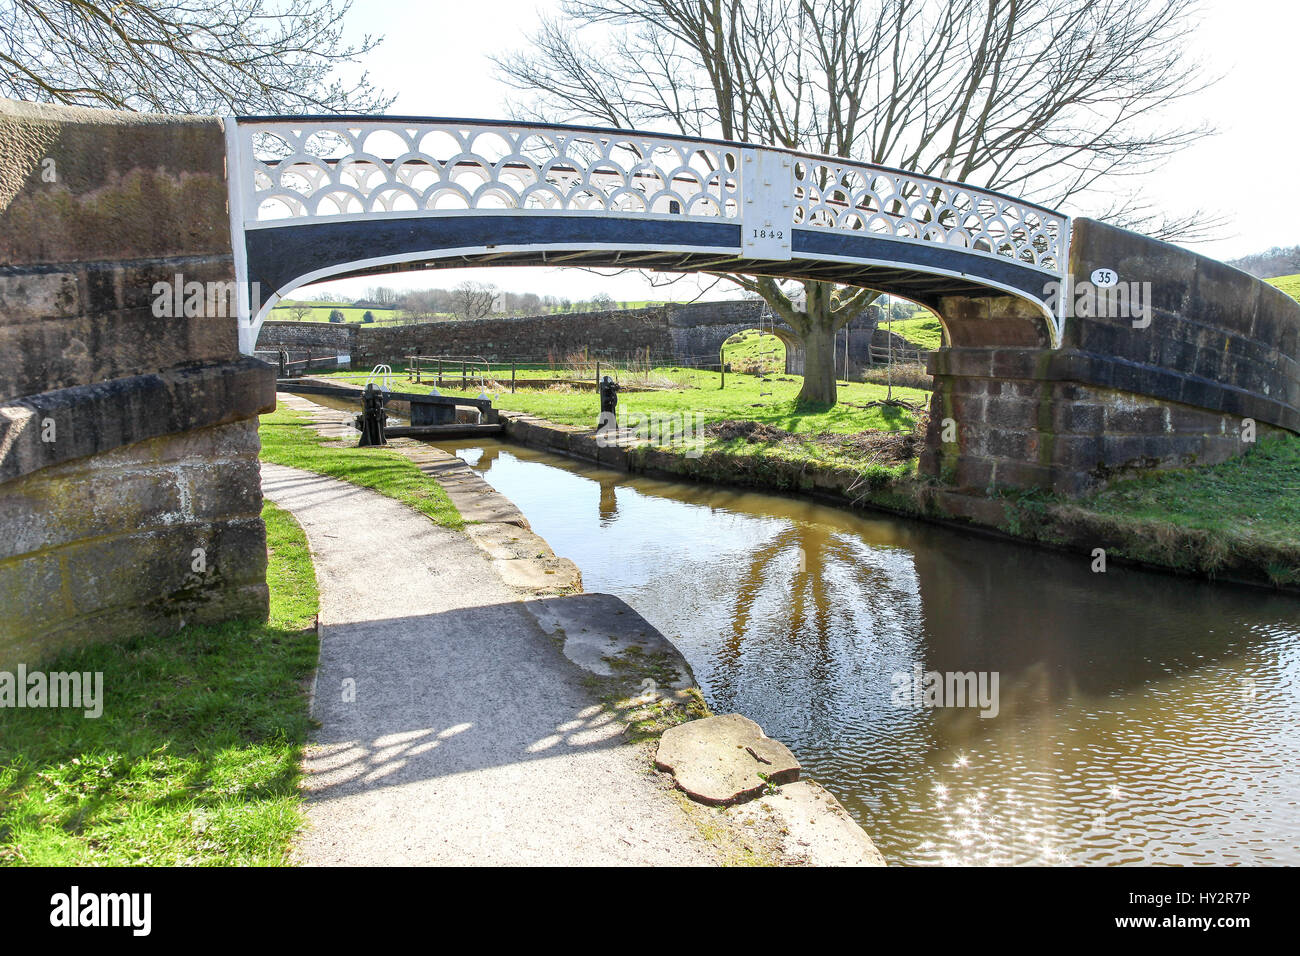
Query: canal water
point(1140, 717)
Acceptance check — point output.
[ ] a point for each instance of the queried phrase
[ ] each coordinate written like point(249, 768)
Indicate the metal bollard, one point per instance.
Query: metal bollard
point(608, 398)
point(373, 418)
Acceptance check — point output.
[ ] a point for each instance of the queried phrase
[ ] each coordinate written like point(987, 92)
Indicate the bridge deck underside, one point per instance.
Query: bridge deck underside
point(281, 257)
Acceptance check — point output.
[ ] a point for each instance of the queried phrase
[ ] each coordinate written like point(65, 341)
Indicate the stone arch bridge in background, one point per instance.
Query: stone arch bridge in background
point(690, 334)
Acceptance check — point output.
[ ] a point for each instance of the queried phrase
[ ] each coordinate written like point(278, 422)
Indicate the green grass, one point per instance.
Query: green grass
point(753, 350)
point(321, 313)
point(195, 760)
point(923, 331)
point(1256, 495)
point(1288, 284)
point(742, 398)
point(286, 440)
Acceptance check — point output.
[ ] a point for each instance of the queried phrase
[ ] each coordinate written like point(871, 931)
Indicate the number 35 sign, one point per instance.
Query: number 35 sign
point(1105, 278)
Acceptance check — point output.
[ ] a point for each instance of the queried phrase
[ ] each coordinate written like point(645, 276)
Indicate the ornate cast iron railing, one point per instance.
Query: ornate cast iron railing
point(311, 169)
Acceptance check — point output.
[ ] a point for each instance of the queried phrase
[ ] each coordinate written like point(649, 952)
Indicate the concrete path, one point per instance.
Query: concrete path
point(453, 730)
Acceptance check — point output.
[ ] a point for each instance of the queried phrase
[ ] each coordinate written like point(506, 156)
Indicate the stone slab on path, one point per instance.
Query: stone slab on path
point(600, 633)
point(725, 760)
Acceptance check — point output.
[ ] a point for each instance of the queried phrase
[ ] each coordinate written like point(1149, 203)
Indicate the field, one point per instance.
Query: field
point(1288, 284)
point(923, 331)
point(754, 351)
point(320, 312)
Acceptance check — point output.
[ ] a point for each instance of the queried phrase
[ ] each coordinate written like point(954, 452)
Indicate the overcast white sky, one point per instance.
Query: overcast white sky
point(435, 58)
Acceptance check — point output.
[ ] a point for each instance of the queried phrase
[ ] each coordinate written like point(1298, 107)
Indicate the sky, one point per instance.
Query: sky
point(434, 57)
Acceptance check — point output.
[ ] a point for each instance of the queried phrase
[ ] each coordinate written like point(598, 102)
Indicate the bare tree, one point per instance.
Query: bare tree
point(382, 295)
point(300, 312)
point(184, 56)
point(1051, 99)
point(473, 300)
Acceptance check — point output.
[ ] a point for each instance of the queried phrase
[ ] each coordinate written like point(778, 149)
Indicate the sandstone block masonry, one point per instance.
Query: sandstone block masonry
point(623, 332)
point(129, 491)
point(682, 334)
point(1208, 365)
point(340, 338)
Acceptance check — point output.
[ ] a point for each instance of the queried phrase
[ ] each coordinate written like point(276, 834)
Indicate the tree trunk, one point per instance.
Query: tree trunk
point(818, 362)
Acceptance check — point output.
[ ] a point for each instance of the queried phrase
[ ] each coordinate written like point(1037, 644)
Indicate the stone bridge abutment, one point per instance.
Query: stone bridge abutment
point(130, 496)
point(1199, 361)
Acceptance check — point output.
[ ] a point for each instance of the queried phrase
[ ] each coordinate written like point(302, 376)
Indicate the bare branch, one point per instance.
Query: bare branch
point(184, 56)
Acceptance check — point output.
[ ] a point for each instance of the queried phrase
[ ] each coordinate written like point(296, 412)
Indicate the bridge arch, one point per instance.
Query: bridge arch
point(781, 335)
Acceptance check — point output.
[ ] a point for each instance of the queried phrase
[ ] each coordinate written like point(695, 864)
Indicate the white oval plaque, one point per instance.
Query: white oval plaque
point(1105, 278)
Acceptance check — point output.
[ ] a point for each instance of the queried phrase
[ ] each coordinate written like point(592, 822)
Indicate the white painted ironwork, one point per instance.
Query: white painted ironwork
point(767, 230)
point(839, 194)
point(314, 169)
point(304, 171)
point(381, 375)
point(290, 171)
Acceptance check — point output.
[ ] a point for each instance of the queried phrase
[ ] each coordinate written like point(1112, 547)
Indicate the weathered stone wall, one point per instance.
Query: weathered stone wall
point(317, 336)
point(1021, 427)
point(685, 334)
point(104, 545)
point(619, 331)
point(128, 439)
point(1125, 393)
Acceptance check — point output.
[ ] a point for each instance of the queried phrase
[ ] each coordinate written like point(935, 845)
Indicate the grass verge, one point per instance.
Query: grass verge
point(1256, 495)
point(287, 439)
point(195, 760)
point(767, 400)
point(1238, 519)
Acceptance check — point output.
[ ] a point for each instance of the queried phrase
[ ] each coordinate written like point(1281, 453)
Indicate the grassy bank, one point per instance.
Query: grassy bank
point(195, 760)
point(286, 440)
point(1288, 284)
point(1206, 519)
point(923, 331)
point(769, 403)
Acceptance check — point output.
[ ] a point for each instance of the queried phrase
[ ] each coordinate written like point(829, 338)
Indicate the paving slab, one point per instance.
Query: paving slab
point(725, 760)
point(605, 636)
point(811, 826)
